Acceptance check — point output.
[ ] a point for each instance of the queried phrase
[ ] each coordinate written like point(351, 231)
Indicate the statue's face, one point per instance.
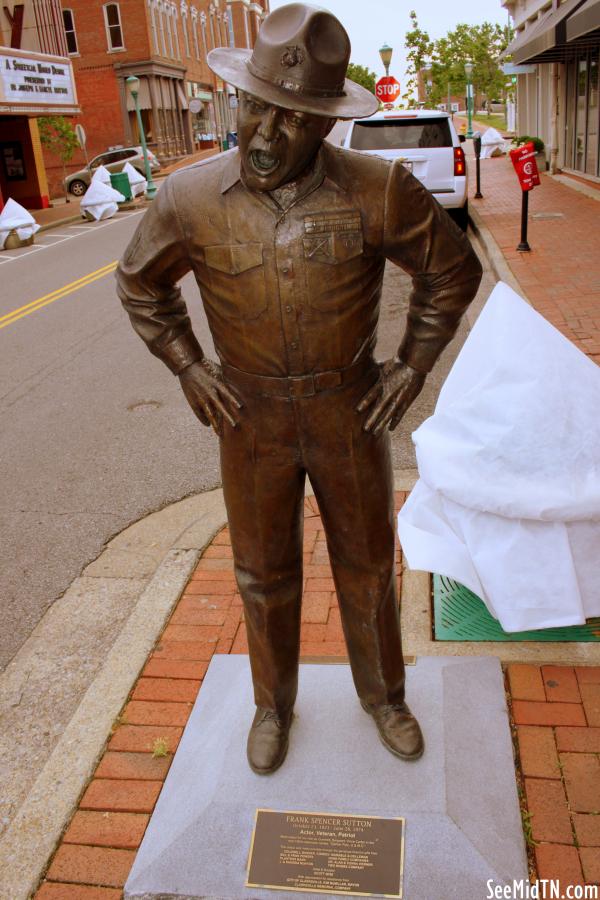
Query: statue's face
point(276, 144)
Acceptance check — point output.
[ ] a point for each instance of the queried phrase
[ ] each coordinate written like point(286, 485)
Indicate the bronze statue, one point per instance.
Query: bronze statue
point(288, 238)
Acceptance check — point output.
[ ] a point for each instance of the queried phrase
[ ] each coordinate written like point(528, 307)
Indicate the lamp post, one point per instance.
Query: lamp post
point(428, 81)
point(468, 73)
point(385, 53)
point(133, 86)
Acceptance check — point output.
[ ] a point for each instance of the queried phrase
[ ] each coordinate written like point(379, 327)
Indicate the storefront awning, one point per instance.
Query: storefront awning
point(143, 97)
point(584, 20)
point(183, 104)
point(546, 40)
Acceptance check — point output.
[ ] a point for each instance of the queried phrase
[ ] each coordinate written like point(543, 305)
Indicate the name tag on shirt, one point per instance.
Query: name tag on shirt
point(332, 237)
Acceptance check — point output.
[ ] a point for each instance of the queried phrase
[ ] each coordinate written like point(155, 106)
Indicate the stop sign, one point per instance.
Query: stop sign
point(387, 89)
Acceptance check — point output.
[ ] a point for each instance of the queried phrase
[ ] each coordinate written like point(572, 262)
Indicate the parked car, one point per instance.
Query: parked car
point(429, 146)
point(77, 183)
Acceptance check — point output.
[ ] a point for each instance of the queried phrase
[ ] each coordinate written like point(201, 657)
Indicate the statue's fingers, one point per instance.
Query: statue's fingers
point(230, 395)
point(222, 409)
point(377, 412)
point(213, 417)
point(201, 415)
point(369, 398)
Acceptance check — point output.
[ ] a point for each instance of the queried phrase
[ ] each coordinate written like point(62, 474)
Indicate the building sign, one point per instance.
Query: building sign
point(36, 82)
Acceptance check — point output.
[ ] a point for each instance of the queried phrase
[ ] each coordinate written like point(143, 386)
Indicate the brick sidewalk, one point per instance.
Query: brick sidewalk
point(556, 711)
point(561, 275)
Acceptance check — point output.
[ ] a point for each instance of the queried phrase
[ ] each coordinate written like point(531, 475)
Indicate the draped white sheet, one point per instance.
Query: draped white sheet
point(508, 498)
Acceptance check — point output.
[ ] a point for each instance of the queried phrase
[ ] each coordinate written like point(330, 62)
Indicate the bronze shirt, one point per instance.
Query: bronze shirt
point(296, 290)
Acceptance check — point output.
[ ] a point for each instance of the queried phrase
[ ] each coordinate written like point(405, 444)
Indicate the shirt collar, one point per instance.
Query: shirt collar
point(327, 165)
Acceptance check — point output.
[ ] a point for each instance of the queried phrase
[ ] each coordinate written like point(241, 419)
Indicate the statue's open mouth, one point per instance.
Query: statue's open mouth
point(263, 162)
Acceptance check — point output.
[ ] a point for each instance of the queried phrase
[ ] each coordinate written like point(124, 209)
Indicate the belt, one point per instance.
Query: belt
point(297, 386)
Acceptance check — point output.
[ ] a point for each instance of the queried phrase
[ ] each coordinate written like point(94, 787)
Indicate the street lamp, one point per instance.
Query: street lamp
point(385, 53)
point(133, 86)
point(428, 82)
point(468, 73)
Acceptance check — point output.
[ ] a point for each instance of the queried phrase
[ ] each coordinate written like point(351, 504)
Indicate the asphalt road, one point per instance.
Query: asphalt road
point(94, 431)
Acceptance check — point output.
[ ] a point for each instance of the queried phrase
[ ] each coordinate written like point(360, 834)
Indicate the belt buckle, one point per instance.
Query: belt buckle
point(302, 386)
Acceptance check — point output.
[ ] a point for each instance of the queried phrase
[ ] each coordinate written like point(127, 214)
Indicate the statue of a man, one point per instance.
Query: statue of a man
point(288, 237)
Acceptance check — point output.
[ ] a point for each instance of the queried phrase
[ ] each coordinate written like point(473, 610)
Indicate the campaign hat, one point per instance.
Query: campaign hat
point(299, 62)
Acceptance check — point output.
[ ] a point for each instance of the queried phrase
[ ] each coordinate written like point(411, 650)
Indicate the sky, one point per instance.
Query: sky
point(371, 23)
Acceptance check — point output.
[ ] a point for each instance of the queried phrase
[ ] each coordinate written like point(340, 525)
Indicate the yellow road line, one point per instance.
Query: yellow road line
point(32, 307)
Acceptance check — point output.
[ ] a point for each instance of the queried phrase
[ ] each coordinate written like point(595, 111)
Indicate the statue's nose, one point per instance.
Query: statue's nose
point(269, 126)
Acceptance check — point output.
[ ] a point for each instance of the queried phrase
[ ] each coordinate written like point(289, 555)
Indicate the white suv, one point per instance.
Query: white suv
point(427, 142)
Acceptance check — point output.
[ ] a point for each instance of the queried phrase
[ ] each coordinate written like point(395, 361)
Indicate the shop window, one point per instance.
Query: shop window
point(114, 32)
point(69, 23)
point(580, 114)
point(591, 157)
point(195, 33)
point(152, 7)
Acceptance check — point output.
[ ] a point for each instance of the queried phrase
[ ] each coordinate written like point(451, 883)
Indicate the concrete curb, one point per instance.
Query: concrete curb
point(494, 254)
point(68, 220)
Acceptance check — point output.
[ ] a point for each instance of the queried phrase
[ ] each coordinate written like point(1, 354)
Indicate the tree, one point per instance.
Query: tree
point(482, 44)
point(58, 136)
point(419, 47)
point(361, 75)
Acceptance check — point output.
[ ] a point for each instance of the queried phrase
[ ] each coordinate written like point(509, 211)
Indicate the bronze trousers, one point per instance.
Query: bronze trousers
point(264, 463)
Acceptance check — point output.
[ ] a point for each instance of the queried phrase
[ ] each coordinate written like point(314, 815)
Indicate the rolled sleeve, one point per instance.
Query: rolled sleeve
point(420, 237)
point(147, 276)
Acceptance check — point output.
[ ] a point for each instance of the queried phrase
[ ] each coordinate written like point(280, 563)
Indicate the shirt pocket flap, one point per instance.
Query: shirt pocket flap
point(233, 259)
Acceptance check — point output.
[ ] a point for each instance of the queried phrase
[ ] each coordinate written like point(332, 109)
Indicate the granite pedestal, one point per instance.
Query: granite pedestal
point(463, 825)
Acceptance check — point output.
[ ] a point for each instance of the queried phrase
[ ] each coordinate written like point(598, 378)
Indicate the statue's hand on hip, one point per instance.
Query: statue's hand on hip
point(208, 395)
point(387, 401)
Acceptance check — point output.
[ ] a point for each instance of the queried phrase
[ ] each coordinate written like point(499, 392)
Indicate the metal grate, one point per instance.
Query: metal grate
point(459, 615)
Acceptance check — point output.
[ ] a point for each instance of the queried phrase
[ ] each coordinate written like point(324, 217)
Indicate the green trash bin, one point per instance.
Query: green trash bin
point(120, 182)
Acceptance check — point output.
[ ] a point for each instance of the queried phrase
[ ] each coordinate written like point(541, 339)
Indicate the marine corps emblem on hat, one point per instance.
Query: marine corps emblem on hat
point(299, 62)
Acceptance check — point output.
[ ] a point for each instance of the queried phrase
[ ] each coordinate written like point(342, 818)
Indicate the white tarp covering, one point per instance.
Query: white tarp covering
point(14, 216)
point(100, 201)
point(101, 174)
point(138, 182)
point(492, 140)
point(508, 499)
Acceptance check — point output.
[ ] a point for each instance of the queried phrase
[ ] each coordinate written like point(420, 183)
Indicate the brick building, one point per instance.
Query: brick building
point(165, 44)
point(36, 79)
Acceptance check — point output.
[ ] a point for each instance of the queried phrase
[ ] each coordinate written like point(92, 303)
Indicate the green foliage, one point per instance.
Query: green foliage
point(58, 136)
point(481, 44)
point(419, 47)
point(362, 75)
point(538, 144)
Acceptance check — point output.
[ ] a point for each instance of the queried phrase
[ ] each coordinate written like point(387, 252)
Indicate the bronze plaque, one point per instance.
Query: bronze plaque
point(327, 853)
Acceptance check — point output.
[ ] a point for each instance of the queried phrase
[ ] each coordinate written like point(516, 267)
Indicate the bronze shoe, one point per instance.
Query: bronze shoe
point(268, 740)
point(398, 729)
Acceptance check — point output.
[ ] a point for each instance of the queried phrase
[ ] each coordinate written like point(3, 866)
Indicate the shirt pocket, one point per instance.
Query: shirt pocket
point(333, 249)
point(237, 278)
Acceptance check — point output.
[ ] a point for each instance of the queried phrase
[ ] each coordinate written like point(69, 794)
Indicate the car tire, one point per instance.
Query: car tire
point(461, 216)
point(78, 188)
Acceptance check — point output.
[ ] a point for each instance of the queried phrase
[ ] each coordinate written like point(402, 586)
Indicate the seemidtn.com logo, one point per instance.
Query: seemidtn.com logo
point(543, 889)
